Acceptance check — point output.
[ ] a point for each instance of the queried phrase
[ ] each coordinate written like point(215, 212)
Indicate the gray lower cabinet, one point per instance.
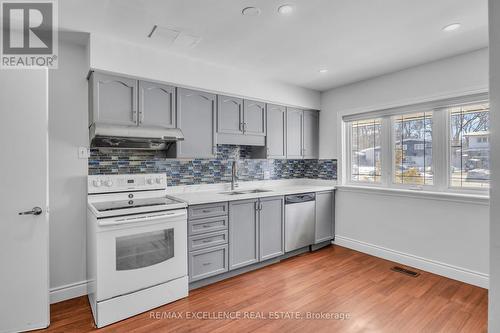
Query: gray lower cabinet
point(207, 240)
point(156, 105)
point(113, 100)
point(325, 216)
point(208, 262)
point(196, 118)
point(229, 115)
point(256, 230)
point(276, 131)
point(207, 210)
point(211, 224)
point(243, 233)
point(202, 241)
point(310, 133)
point(294, 121)
point(271, 228)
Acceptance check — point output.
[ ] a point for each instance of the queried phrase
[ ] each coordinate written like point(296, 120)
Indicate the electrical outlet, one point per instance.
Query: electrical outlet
point(83, 153)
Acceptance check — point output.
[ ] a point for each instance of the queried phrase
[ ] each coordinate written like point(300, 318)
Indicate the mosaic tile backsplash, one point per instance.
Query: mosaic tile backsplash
point(207, 171)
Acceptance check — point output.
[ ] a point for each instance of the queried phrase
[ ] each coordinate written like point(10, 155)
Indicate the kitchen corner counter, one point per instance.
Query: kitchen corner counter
point(204, 194)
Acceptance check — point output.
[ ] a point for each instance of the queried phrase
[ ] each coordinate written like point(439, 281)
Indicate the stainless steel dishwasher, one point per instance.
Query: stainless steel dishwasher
point(300, 218)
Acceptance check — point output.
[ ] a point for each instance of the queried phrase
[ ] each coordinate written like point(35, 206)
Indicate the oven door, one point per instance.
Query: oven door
point(141, 252)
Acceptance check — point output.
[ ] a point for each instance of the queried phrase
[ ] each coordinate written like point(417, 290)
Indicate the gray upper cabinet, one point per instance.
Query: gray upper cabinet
point(243, 233)
point(196, 118)
point(113, 100)
point(271, 228)
point(310, 132)
point(156, 105)
point(302, 133)
point(276, 131)
point(229, 115)
point(254, 117)
point(294, 126)
point(240, 122)
point(325, 216)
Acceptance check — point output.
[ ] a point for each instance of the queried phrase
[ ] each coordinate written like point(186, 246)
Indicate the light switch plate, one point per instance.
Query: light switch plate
point(83, 153)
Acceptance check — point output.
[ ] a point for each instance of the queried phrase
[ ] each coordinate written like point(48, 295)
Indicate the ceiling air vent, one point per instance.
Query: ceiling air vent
point(172, 37)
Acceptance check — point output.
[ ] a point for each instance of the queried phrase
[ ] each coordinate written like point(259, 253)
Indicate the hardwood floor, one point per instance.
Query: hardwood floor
point(331, 280)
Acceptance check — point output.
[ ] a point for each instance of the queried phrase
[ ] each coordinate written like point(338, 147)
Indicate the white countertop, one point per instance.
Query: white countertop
point(203, 194)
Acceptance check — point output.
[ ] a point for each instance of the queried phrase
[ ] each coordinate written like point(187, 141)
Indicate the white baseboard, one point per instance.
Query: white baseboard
point(72, 290)
point(436, 267)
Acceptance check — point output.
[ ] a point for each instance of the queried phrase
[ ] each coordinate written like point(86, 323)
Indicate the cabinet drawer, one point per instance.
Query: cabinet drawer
point(208, 262)
point(202, 211)
point(202, 226)
point(207, 240)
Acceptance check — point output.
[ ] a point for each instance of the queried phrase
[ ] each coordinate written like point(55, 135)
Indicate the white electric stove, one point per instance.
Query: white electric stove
point(136, 246)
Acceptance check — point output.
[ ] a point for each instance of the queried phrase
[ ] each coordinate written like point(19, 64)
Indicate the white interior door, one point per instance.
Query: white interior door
point(24, 286)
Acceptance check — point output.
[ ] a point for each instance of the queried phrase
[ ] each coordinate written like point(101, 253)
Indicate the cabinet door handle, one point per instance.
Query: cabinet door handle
point(134, 103)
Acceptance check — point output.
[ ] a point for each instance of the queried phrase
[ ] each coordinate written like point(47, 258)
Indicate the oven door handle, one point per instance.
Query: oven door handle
point(142, 219)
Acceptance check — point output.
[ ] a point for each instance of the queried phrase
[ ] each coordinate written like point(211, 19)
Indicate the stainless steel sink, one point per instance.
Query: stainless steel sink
point(254, 191)
point(244, 192)
point(231, 193)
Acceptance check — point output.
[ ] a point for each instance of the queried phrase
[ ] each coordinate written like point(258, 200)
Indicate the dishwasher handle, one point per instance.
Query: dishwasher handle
point(298, 198)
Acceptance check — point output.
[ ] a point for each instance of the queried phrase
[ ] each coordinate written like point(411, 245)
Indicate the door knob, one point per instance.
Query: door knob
point(34, 211)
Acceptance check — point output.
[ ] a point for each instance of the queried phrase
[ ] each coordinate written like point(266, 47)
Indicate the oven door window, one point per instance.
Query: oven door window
point(143, 250)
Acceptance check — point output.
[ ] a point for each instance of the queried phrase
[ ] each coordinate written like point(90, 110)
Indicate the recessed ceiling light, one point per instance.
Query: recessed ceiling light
point(451, 27)
point(251, 11)
point(285, 9)
point(323, 71)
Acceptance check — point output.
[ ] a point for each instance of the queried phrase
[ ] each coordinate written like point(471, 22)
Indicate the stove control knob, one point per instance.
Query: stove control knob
point(150, 181)
point(109, 183)
point(158, 180)
point(97, 183)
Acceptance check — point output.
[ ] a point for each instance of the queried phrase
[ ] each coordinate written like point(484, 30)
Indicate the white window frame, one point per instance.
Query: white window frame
point(393, 156)
point(441, 148)
point(449, 187)
point(348, 149)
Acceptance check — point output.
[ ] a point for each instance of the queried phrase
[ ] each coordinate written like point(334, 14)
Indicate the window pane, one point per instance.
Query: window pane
point(413, 149)
point(470, 146)
point(365, 150)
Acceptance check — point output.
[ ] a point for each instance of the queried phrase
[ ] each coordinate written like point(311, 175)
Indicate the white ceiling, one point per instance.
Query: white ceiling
point(354, 39)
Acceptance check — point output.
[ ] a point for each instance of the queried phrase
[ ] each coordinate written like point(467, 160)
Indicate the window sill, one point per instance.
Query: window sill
point(419, 194)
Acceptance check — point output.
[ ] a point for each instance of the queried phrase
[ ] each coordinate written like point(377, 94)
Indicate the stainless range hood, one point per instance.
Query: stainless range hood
point(131, 137)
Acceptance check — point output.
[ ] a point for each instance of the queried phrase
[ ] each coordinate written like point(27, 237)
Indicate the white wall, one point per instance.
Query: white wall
point(67, 173)
point(455, 76)
point(441, 236)
point(444, 236)
point(122, 57)
point(494, 295)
